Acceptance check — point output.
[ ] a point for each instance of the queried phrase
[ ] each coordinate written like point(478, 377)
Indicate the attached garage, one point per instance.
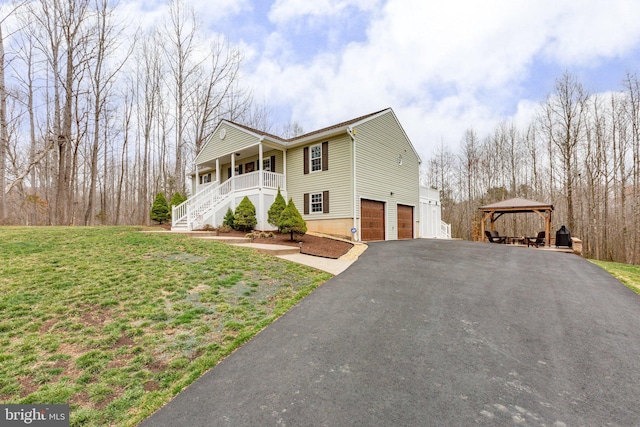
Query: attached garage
point(371, 220)
point(405, 222)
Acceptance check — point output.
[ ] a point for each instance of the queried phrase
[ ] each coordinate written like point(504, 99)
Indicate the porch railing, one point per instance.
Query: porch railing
point(200, 203)
point(180, 212)
point(445, 230)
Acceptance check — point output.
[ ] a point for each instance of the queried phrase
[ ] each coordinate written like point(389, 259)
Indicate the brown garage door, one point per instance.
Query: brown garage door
point(405, 222)
point(371, 220)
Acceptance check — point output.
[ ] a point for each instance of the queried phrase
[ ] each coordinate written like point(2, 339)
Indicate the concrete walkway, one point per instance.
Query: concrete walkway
point(436, 332)
point(290, 253)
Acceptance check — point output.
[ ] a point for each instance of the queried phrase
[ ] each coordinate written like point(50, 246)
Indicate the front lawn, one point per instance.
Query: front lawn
point(628, 274)
point(115, 322)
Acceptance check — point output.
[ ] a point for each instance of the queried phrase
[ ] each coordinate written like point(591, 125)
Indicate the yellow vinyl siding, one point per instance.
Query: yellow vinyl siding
point(337, 180)
point(234, 140)
point(379, 143)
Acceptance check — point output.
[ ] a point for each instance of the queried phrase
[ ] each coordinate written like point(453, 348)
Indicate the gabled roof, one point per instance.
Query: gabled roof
point(516, 204)
point(291, 141)
point(325, 132)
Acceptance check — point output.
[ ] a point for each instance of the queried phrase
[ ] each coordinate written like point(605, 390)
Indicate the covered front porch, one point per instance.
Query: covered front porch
point(217, 184)
point(244, 162)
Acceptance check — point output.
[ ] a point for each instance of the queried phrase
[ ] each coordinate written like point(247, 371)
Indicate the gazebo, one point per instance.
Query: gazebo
point(517, 205)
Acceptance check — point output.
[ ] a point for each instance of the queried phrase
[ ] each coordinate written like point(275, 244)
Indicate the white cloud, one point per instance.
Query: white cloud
point(438, 63)
point(148, 13)
point(582, 31)
point(284, 11)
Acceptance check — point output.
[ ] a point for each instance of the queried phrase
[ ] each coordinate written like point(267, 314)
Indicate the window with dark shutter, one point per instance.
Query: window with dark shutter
point(325, 156)
point(306, 160)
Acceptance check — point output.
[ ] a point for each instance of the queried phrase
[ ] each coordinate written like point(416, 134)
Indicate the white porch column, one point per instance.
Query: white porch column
point(260, 165)
point(218, 171)
point(197, 178)
point(233, 171)
point(284, 168)
point(261, 207)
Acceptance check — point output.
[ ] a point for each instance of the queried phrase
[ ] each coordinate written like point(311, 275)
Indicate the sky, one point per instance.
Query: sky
point(443, 66)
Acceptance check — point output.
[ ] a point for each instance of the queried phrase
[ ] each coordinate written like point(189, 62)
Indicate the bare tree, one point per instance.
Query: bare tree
point(565, 113)
point(218, 77)
point(4, 135)
point(102, 79)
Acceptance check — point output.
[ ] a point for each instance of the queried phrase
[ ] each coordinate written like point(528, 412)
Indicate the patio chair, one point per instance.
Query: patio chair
point(495, 237)
point(536, 241)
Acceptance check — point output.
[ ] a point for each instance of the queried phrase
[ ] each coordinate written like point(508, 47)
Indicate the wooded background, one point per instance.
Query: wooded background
point(580, 153)
point(95, 119)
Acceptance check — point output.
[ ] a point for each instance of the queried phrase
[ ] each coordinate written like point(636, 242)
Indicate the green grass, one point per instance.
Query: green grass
point(115, 322)
point(628, 274)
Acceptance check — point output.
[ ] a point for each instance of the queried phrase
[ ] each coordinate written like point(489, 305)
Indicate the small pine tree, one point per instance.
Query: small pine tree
point(291, 221)
point(276, 209)
point(245, 215)
point(176, 200)
point(160, 209)
point(229, 219)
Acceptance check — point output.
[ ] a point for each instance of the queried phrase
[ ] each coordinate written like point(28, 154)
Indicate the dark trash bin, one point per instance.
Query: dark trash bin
point(563, 237)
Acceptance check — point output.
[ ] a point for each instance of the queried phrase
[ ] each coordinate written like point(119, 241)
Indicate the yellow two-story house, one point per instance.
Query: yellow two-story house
point(358, 179)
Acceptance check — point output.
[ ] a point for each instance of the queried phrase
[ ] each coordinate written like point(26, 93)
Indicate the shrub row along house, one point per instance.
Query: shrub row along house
point(358, 179)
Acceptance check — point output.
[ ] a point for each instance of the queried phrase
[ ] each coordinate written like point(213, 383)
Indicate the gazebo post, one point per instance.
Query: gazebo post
point(548, 229)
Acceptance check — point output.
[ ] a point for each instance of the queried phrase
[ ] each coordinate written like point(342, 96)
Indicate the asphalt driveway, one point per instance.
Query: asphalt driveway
point(433, 332)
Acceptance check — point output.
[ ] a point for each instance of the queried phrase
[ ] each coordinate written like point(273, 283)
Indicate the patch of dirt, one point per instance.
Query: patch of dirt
point(28, 386)
point(311, 245)
point(124, 340)
point(95, 315)
point(151, 386)
point(46, 326)
point(156, 366)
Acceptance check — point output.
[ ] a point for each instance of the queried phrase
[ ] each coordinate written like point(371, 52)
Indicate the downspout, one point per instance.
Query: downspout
point(352, 134)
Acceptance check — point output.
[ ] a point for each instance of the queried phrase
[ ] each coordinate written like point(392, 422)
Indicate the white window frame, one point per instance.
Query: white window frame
point(266, 164)
point(318, 165)
point(205, 178)
point(317, 205)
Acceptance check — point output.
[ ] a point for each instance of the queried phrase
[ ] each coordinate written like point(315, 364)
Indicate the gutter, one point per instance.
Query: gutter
point(352, 134)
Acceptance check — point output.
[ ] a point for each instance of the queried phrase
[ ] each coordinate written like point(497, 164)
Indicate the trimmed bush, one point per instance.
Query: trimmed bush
point(160, 209)
point(278, 205)
point(229, 219)
point(245, 215)
point(177, 199)
point(291, 221)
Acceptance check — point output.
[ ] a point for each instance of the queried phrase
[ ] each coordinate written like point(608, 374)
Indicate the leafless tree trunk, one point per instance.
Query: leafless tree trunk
point(565, 111)
point(4, 137)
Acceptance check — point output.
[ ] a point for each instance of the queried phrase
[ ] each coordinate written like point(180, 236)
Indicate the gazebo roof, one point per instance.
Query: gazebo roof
point(517, 205)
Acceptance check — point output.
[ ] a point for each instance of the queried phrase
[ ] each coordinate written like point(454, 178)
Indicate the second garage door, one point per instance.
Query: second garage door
point(371, 220)
point(405, 222)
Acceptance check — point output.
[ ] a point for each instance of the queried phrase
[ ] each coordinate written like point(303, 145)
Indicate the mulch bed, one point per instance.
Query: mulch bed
point(311, 245)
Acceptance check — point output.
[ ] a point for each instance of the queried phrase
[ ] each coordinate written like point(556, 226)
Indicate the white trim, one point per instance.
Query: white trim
point(311, 211)
point(311, 158)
